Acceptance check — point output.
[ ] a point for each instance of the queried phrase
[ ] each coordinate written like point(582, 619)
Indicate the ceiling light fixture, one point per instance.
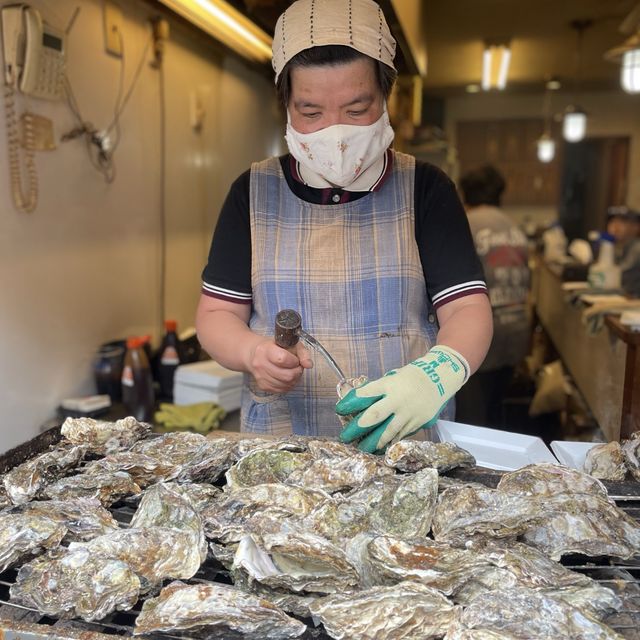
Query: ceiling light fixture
point(496, 58)
point(574, 125)
point(627, 54)
point(546, 144)
point(225, 23)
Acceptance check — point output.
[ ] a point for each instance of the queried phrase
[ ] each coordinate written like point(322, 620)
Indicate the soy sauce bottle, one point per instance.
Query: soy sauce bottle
point(137, 382)
point(169, 357)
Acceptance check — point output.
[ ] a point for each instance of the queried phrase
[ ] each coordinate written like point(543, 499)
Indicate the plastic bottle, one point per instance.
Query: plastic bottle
point(137, 382)
point(169, 357)
point(605, 273)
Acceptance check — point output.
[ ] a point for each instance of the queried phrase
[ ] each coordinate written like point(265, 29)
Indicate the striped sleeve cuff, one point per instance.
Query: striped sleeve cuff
point(226, 294)
point(459, 291)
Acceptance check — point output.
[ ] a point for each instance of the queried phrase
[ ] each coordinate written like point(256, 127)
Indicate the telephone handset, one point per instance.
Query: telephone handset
point(34, 64)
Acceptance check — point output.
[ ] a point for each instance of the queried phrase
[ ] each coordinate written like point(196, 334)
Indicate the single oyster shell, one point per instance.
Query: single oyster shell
point(546, 479)
point(28, 480)
point(581, 523)
point(606, 462)
point(400, 505)
point(339, 472)
point(217, 611)
point(517, 610)
point(144, 469)
point(161, 506)
point(466, 512)
point(76, 584)
point(223, 553)
point(388, 560)
point(413, 455)
point(84, 518)
point(297, 561)
point(405, 611)
point(445, 482)
point(296, 444)
point(593, 599)
point(154, 554)
point(200, 495)
point(226, 519)
point(104, 437)
point(106, 487)
point(631, 453)
point(455, 633)
point(265, 466)
point(25, 534)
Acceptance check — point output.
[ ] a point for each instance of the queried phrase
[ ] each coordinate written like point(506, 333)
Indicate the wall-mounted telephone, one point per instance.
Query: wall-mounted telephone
point(34, 65)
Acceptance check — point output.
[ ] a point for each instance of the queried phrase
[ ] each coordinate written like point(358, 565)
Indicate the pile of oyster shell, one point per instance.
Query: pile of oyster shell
point(310, 536)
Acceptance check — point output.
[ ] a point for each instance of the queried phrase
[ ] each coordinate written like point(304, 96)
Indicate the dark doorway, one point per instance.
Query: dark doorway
point(594, 177)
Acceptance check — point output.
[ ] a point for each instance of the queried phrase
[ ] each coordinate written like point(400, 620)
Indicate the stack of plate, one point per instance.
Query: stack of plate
point(207, 381)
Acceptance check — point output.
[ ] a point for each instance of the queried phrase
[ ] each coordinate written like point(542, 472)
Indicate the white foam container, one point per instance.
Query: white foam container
point(493, 448)
point(571, 453)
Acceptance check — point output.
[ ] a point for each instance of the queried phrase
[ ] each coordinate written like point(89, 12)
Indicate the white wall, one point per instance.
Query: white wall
point(84, 268)
point(610, 114)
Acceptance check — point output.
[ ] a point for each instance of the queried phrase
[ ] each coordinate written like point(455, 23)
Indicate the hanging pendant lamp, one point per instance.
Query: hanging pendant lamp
point(574, 124)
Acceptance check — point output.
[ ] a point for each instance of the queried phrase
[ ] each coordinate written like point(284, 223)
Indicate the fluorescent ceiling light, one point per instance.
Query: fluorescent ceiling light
point(630, 71)
point(495, 65)
point(225, 23)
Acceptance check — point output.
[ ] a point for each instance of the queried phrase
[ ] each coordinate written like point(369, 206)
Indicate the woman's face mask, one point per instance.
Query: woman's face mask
point(341, 152)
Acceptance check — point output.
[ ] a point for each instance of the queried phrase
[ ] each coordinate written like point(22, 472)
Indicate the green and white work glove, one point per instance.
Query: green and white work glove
point(404, 400)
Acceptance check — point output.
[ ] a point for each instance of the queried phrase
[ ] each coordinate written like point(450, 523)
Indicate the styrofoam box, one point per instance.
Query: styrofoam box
point(572, 454)
point(208, 374)
point(495, 449)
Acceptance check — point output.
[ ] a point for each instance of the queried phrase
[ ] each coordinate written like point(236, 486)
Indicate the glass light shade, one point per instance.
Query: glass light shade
point(630, 71)
point(574, 125)
point(546, 148)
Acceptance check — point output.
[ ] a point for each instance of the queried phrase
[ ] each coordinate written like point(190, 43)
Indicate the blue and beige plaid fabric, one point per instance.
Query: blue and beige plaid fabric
point(354, 274)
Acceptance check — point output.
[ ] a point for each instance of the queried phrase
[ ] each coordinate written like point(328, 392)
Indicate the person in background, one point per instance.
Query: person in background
point(623, 224)
point(502, 247)
point(371, 247)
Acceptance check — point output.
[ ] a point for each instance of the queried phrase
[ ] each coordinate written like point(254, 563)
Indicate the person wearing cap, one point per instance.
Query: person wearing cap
point(623, 224)
point(370, 246)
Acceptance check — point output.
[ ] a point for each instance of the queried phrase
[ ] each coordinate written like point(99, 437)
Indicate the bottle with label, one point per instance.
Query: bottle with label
point(137, 382)
point(169, 357)
point(605, 273)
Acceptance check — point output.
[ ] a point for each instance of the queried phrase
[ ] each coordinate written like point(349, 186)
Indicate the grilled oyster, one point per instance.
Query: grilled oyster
point(388, 560)
point(399, 505)
point(25, 534)
point(467, 512)
point(517, 611)
point(104, 437)
point(226, 519)
point(76, 584)
point(161, 506)
point(339, 472)
point(581, 523)
point(265, 466)
point(143, 469)
point(107, 487)
point(84, 518)
point(546, 479)
point(216, 611)
point(154, 554)
point(405, 611)
point(606, 462)
point(27, 480)
point(631, 453)
point(198, 458)
point(413, 455)
point(200, 495)
point(295, 560)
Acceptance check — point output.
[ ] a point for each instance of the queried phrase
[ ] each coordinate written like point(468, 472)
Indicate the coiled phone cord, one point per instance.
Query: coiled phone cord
point(23, 203)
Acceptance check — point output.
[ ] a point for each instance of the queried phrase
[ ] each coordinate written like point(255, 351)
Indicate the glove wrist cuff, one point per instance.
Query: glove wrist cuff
point(457, 359)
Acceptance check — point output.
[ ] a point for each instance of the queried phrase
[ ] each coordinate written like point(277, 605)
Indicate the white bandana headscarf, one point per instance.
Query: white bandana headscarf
point(359, 24)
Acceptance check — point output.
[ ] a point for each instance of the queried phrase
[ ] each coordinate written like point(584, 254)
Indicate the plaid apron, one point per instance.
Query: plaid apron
point(353, 272)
